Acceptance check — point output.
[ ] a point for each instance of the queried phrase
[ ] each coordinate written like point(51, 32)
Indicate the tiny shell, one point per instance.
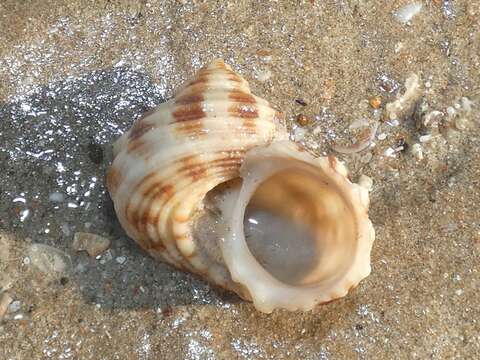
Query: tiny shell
point(199, 182)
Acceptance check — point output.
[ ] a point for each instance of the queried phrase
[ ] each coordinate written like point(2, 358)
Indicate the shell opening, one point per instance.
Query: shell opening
point(298, 227)
point(295, 231)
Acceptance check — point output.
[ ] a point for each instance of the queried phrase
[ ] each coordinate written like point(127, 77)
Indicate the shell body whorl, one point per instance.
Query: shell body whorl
point(174, 155)
point(187, 177)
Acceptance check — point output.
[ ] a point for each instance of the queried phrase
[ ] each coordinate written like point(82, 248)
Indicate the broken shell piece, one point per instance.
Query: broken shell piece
point(210, 183)
point(405, 103)
point(93, 244)
point(363, 142)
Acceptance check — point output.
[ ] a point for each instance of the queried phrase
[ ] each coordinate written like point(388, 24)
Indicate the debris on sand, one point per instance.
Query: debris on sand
point(361, 143)
point(5, 300)
point(93, 244)
point(407, 12)
point(303, 120)
point(365, 182)
point(375, 102)
point(405, 103)
point(14, 306)
point(4, 250)
point(417, 151)
point(48, 259)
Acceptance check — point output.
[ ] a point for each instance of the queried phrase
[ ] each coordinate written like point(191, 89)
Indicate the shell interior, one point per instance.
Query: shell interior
point(291, 227)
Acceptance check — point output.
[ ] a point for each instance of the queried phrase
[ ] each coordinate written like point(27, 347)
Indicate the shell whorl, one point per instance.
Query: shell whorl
point(174, 155)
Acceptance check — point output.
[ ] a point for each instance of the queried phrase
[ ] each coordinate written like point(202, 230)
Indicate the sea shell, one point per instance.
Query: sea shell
point(210, 183)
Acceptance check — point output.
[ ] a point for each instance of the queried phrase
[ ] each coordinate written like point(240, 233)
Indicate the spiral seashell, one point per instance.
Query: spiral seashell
point(210, 183)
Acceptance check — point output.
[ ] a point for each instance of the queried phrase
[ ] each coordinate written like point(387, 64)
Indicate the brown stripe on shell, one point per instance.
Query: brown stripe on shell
point(155, 218)
point(130, 214)
point(235, 78)
point(243, 111)
point(139, 128)
point(155, 244)
point(189, 99)
point(140, 216)
point(241, 97)
point(159, 195)
point(189, 112)
point(194, 167)
point(137, 146)
point(203, 80)
point(191, 128)
point(249, 126)
point(159, 191)
point(168, 190)
point(279, 116)
point(230, 157)
point(113, 180)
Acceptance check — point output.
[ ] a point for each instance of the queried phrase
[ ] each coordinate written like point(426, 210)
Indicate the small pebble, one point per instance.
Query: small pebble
point(121, 260)
point(417, 151)
point(407, 12)
point(459, 292)
point(56, 197)
point(425, 138)
point(358, 123)
point(398, 47)
point(366, 158)
point(303, 120)
point(382, 136)
point(389, 152)
point(461, 123)
point(467, 104)
point(14, 306)
point(393, 122)
point(93, 244)
point(375, 102)
point(299, 134)
point(263, 75)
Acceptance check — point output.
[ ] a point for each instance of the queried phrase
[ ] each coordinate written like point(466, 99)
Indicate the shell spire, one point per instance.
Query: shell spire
point(178, 185)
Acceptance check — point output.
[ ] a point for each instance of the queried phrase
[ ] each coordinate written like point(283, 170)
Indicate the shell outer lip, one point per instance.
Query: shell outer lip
point(266, 291)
